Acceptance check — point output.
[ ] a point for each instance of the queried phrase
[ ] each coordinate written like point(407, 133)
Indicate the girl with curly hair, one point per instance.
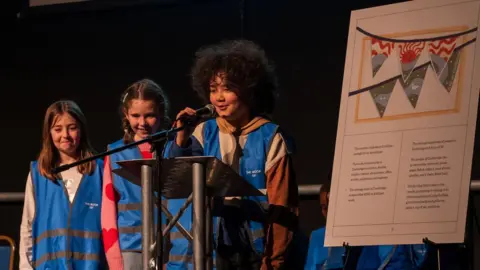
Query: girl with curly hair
point(250, 232)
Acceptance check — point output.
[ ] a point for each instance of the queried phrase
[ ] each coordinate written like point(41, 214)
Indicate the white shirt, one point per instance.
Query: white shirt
point(71, 180)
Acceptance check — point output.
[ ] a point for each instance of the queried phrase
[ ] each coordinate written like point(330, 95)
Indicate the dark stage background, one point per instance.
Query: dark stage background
point(91, 54)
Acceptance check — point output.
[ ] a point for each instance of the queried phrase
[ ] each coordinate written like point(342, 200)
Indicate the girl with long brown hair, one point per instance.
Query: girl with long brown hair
point(61, 226)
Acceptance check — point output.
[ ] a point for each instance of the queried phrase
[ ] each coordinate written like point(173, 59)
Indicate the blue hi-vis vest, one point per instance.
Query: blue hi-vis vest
point(388, 257)
point(129, 206)
point(321, 257)
point(67, 235)
point(252, 169)
point(418, 254)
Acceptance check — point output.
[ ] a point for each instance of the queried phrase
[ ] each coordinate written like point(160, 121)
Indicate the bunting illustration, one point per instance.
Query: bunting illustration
point(381, 94)
point(381, 50)
point(440, 51)
point(448, 74)
point(443, 52)
point(413, 84)
point(409, 53)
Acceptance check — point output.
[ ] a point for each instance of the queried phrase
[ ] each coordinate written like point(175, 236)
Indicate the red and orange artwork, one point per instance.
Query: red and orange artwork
point(381, 50)
point(409, 52)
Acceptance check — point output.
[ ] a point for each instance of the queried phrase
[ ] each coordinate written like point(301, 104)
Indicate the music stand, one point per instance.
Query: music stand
point(204, 176)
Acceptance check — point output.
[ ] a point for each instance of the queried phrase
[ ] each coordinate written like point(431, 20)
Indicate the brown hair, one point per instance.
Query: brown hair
point(49, 156)
point(144, 89)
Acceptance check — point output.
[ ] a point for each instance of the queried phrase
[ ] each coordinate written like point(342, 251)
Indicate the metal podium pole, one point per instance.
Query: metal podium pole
point(147, 209)
point(198, 176)
point(157, 243)
point(209, 233)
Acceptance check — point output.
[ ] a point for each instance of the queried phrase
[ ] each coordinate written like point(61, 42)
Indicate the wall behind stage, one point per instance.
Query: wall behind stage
point(91, 56)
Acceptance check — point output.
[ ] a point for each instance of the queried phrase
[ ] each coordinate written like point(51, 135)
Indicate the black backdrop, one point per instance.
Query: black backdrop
point(90, 56)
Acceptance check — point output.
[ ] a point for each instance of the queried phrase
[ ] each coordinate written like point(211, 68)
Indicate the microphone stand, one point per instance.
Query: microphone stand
point(156, 137)
point(154, 140)
point(158, 152)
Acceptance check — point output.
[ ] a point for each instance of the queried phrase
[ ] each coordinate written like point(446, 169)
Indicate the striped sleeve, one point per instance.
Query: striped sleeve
point(282, 191)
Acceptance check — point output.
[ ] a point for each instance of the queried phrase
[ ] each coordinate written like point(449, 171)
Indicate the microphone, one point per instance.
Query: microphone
point(204, 112)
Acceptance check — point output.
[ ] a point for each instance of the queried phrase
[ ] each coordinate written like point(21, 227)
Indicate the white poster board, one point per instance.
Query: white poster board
point(406, 125)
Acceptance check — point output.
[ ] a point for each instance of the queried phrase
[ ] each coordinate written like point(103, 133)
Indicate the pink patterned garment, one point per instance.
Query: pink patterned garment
point(109, 213)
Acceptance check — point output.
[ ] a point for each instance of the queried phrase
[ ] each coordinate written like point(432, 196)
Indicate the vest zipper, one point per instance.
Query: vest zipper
point(70, 204)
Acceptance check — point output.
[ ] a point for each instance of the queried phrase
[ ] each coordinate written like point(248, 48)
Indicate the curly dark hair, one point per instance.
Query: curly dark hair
point(245, 68)
point(144, 89)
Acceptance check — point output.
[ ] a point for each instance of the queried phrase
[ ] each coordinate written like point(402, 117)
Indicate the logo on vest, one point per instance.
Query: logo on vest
point(254, 173)
point(91, 205)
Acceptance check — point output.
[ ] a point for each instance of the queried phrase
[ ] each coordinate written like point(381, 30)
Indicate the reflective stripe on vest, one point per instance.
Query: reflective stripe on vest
point(64, 232)
point(129, 206)
point(180, 258)
point(63, 254)
point(184, 259)
point(176, 235)
point(67, 235)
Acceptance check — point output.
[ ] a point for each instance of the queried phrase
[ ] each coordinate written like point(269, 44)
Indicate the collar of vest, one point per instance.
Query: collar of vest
point(254, 124)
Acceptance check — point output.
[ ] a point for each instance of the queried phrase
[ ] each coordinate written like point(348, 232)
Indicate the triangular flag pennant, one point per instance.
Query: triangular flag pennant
point(413, 85)
point(380, 51)
point(447, 74)
point(440, 51)
point(409, 53)
point(381, 94)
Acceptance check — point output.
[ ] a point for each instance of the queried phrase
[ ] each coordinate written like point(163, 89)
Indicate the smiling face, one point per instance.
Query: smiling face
point(65, 134)
point(227, 103)
point(143, 118)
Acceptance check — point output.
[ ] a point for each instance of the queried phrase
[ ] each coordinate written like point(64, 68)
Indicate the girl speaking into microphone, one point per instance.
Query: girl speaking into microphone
point(236, 77)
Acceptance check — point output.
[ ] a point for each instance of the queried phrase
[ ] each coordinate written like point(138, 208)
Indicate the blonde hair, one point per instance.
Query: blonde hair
point(49, 156)
point(144, 89)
